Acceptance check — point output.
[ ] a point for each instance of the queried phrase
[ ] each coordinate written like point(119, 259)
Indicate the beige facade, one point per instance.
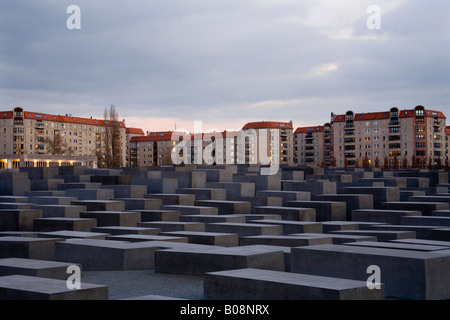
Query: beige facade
point(31, 133)
point(255, 153)
point(309, 146)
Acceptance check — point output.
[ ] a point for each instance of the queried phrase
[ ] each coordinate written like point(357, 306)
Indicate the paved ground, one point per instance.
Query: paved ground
point(133, 283)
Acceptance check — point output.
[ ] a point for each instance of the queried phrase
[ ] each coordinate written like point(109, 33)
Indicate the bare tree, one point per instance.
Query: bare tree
point(57, 146)
point(109, 154)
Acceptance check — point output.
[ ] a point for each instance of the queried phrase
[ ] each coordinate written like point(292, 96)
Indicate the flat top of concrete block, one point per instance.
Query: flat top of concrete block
point(41, 285)
point(423, 241)
point(144, 238)
point(221, 201)
point(341, 236)
point(292, 278)
point(287, 222)
point(109, 212)
point(111, 243)
point(122, 228)
point(397, 253)
point(32, 263)
point(236, 224)
point(198, 233)
point(26, 239)
point(339, 223)
point(65, 219)
point(284, 208)
point(232, 251)
point(311, 235)
point(96, 201)
point(19, 233)
point(374, 232)
point(401, 246)
point(70, 233)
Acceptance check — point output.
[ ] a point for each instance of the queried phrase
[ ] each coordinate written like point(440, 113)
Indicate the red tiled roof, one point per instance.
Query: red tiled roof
point(386, 115)
point(6, 114)
point(59, 118)
point(310, 129)
point(447, 130)
point(135, 131)
point(267, 125)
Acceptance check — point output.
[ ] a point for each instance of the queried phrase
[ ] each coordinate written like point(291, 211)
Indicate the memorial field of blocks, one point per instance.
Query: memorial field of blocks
point(303, 233)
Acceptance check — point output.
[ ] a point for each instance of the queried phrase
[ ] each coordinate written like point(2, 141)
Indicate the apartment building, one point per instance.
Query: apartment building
point(309, 146)
point(130, 133)
point(40, 134)
point(253, 150)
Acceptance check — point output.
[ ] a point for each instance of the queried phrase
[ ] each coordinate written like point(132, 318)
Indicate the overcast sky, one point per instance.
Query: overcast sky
point(223, 62)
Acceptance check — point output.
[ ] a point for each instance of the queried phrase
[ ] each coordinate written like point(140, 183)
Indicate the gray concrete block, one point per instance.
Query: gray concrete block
point(382, 215)
point(287, 240)
point(140, 203)
point(235, 190)
point(213, 218)
point(51, 200)
point(145, 237)
point(173, 199)
point(107, 254)
point(34, 268)
point(261, 182)
point(285, 195)
point(288, 213)
point(127, 191)
point(256, 284)
point(59, 210)
point(101, 205)
point(58, 224)
point(424, 207)
point(407, 274)
point(329, 226)
point(293, 226)
point(398, 245)
point(14, 199)
point(426, 221)
point(441, 234)
point(227, 206)
point(27, 248)
point(380, 194)
point(159, 215)
point(19, 287)
point(314, 187)
point(339, 238)
point(352, 201)
point(68, 234)
point(194, 261)
point(422, 232)
point(325, 210)
point(382, 235)
point(174, 225)
point(18, 219)
point(192, 210)
point(205, 193)
point(79, 185)
point(245, 229)
point(113, 218)
point(90, 194)
point(207, 238)
point(117, 230)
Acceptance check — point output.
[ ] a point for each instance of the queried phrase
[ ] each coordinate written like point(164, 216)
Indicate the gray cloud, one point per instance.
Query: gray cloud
point(220, 59)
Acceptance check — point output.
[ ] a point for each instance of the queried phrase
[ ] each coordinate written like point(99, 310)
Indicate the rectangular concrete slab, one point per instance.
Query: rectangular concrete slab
point(35, 268)
point(19, 287)
point(257, 284)
point(200, 261)
point(407, 274)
